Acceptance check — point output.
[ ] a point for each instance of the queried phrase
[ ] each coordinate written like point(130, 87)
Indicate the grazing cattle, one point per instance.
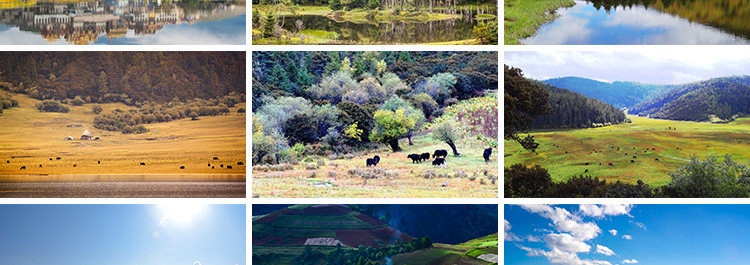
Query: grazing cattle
point(376, 158)
point(439, 153)
point(631, 161)
point(610, 164)
point(23, 167)
point(229, 167)
point(209, 164)
point(635, 157)
point(657, 159)
point(600, 163)
point(425, 156)
point(216, 158)
point(182, 167)
point(566, 152)
point(212, 167)
point(75, 165)
point(415, 158)
point(240, 163)
point(97, 138)
point(143, 164)
point(587, 163)
point(370, 162)
point(587, 171)
point(626, 153)
point(221, 165)
point(439, 162)
point(653, 149)
point(40, 165)
point(98, 162)
point(58, 158)
point(50, 159)
point(488, 153)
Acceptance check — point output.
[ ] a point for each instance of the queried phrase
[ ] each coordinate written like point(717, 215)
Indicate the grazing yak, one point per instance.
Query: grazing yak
point(216, 158)
point(488, 153)
point(439, 162)
point(50, 159)
point(610, 164)
point(587, 163)
point(635, 157)
point(415, 158)
point(240, 163)
point(143, 164)
point(657, 159)
point(23, 167)
point(631, 161)
point(376, 158)
point(221, 165)
point(98, 162)
point(425, 156)
point(587, 171)
point(58, 158)
point(439, 153)
point(370, 162)
point(229, 167)
point(182, 167)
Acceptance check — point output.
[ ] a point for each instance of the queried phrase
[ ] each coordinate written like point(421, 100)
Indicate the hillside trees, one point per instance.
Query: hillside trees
point(523, 102)
point(390, 126)
point(416, 115)
point(573, 110)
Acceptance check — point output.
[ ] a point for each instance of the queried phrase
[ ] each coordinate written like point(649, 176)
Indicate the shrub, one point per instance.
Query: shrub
point(523, 182)
point(51, 106)
point(709, 179)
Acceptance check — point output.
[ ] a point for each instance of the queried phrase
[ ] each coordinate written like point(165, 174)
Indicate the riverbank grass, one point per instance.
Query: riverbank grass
point(523, 18)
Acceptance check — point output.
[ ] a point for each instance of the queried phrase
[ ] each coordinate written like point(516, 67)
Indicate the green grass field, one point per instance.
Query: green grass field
point(33, 137)
point(409, 183)
point(647, 139)
point(523, 18)
point(464, 253)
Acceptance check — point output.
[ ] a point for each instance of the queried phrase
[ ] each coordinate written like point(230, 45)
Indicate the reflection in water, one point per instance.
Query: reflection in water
point(84, 22)
point(633, 22)
point(392, 32)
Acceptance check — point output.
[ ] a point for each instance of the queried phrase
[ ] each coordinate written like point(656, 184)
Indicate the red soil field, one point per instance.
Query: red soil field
point(369, 220)
point(269, 218)
point(389, 235)
point(327, 209)
point(355, 238)
point(278, 241)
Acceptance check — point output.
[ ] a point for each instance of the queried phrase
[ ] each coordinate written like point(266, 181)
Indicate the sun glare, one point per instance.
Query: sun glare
point(181, 213)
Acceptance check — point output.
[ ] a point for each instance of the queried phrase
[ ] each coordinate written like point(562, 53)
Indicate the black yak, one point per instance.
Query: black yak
point(229, 167)
point(488, 153)
point(23, 167)
point(240, 163)
point(376, 158)
point(425, 156)
point(143, 164)
point(370, 162)
point(631, 161)
point(415, 158)
point(439, 162)
point(182, 167)
point(439, 153)
point(216, 158)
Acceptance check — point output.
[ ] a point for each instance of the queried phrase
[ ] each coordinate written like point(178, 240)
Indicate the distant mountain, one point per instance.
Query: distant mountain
point(620, 94)
point(574, 110)
point(722, 96)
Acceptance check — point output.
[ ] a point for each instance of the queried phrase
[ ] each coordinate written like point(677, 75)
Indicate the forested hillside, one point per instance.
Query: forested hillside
point(128, 77)
point(573, 110)
point(347, 99)
point(620, 94)
point(723, 97)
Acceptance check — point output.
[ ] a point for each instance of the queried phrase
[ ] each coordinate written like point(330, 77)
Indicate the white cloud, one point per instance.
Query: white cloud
point(613, 232)
point(508, 236)
point(629, 261)
point(628, 237)
point(564, 221)
point(639, 224)
point(566, 242)
point(559, 257)
point(602, 211)
point(604, 250)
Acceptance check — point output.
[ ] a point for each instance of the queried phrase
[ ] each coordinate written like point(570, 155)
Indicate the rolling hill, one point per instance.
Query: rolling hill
point(621, 94)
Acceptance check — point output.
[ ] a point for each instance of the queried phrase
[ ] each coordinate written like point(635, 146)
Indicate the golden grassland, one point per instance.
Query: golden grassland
point(409, 183)
point(646, 139)
point(30, 138)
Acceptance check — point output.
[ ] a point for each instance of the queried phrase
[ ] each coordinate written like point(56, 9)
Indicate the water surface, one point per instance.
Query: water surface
point(690, 22)
point(390, 32)
point(123, 22)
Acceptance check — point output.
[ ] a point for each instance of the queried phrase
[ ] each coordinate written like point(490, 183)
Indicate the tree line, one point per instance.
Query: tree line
point(128, 77)
point(574, 110)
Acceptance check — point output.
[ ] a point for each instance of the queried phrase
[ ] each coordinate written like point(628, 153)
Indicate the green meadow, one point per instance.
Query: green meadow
point(658, 150)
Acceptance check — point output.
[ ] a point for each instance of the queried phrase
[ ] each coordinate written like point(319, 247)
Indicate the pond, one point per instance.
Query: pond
point(123, 22)
point(636, 22)
point(385, 33)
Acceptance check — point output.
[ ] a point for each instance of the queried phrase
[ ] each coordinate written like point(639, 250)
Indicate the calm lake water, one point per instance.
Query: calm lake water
point(394, 32)
point(123, 22)
point(696, 22)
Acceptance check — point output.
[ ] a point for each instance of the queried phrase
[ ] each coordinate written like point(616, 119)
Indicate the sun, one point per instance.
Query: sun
point(181, 213)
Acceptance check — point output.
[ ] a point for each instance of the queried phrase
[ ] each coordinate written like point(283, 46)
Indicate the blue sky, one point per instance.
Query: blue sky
point(681, 234)
point(124, 234)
